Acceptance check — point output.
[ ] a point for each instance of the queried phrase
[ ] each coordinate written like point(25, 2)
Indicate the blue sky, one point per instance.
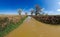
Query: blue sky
point(11, 6)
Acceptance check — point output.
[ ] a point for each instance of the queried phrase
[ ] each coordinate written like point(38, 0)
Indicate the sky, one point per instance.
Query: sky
point(51, 7)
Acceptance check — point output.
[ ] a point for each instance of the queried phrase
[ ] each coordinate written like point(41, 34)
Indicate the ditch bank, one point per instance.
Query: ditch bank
point(11, 27)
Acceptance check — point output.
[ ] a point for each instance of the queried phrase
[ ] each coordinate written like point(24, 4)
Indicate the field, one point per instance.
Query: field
point(50, 19)
point(33, 28)
point(9, 22)
point(44, 27)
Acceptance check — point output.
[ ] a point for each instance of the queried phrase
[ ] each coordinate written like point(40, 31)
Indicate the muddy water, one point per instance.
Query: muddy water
point(33, 28)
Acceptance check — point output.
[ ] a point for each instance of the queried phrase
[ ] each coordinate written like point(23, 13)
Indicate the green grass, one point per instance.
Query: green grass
point(11, 27)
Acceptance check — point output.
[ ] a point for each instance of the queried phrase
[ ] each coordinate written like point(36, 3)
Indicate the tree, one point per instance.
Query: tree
point(38, 10)
point(26, 13)
point(32, 11)
point(19, 11)
point(46, 14)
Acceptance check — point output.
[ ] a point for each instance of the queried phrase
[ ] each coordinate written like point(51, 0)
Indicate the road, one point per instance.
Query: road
point(33, 28)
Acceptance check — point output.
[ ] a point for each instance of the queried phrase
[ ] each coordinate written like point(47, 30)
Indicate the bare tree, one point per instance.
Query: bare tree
point(38, 10)
point(19, 11)
point(26, 13)
point(32, 11)
point(46, 14)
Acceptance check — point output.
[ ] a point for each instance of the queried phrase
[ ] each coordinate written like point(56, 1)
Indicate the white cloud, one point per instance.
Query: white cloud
point(58, 9)
point(59, 3)
point(43, 9)
point(49, 12)
point(46, 12)
point(30, 9)
point(23, 13)
point(52, 12)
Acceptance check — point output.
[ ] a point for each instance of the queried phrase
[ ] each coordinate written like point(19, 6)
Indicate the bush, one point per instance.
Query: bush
point(48, 19)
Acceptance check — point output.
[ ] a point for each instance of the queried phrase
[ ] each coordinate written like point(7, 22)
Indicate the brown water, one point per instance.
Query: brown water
point(33, 28)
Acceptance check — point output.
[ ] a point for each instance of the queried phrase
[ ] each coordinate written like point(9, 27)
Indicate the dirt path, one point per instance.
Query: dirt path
point(33, 28)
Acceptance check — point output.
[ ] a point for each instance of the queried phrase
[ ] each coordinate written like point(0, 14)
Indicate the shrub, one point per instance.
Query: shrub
point(48, 19)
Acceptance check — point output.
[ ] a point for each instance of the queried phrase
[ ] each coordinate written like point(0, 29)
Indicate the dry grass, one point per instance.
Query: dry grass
point(4, 19)
point(10, 22)
point(33, 28)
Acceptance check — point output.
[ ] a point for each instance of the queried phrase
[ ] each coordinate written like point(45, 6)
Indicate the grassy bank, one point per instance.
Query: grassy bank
point(11, 27)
